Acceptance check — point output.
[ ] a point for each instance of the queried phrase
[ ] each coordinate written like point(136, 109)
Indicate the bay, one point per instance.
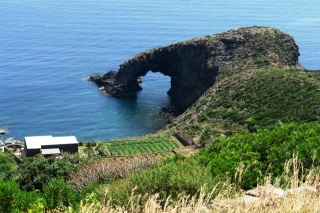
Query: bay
point(49, 48)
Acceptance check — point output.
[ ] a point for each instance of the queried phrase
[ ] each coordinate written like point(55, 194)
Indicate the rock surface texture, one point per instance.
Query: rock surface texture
point(193, 65)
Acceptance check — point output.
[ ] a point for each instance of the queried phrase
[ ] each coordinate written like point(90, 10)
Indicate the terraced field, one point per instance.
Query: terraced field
point(150, 145)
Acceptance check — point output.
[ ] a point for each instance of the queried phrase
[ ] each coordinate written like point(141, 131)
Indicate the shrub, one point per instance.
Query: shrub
point(267, 150)
point(8, 190)
point(178, 177)
point(36, 172)
point(7, 164)
point(12, 199)
point(57, 194)
point(25, 201)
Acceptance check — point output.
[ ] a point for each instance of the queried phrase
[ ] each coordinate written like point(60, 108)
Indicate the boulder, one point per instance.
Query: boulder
point(266, 191)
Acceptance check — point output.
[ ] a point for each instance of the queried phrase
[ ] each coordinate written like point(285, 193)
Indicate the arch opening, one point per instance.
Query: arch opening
point(155, 87)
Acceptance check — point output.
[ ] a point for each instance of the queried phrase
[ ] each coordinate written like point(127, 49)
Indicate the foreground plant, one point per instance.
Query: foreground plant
point(300, 195)
point(262, 153)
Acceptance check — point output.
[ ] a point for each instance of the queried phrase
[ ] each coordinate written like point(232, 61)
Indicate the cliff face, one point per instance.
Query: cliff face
point(193, 65)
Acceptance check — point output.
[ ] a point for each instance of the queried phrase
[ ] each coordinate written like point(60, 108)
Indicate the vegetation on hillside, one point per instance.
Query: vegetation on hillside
point(35, 172)
point(263, 153)
point(105, 171)
point(252, 99)
point(252, 123)
point(228, 165)
point(7, 164)
point(151, 144)
point(299, 195)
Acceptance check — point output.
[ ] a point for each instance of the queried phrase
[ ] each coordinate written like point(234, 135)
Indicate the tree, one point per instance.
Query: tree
point(35, 173)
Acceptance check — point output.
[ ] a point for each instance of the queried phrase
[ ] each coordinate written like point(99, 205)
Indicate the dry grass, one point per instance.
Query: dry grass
point(300, 194)
point(106, 170)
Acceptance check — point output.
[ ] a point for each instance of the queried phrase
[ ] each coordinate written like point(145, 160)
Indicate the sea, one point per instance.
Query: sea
point(48, 49)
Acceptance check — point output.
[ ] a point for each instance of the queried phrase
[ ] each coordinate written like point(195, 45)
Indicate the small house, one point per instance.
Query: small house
point(49, 145)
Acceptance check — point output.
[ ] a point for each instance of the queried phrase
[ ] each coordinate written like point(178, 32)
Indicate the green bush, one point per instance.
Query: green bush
point(202, 118)
point(12, 199)
point(36, 172)
point(7, 164)
point(25, 201)
point(267, 150)
point(57, 194)
point(8, 190)
point(177, 177)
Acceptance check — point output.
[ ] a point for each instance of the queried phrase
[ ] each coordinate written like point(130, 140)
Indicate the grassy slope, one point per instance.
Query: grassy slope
point(251, 99)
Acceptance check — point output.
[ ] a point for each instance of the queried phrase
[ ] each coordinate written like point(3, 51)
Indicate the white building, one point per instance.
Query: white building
point(48, 145)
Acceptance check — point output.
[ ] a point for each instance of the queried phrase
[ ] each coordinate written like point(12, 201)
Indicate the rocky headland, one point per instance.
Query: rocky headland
point(194, 65)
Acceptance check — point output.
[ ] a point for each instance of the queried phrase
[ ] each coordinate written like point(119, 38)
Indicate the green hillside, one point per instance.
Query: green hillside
point(250, 99)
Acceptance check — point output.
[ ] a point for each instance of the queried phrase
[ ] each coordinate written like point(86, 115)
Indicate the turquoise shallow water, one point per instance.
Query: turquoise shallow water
point(49, 48)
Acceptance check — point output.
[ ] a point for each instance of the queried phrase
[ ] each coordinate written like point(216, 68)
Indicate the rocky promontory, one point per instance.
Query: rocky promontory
point(193, 65)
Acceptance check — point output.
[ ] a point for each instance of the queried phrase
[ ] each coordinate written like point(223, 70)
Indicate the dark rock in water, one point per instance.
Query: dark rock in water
point(170, 112)
point(3, 132)
point(193, 65)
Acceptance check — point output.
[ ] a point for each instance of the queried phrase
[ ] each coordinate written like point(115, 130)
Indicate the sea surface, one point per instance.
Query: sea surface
point(48, 49)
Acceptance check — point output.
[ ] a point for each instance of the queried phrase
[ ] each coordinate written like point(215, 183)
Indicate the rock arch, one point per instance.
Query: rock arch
point(193, 65)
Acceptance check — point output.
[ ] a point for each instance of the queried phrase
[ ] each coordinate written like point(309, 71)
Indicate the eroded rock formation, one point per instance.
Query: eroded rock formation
point(193, 65)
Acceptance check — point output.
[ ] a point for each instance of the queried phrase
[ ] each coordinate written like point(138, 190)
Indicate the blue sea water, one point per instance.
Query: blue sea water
point(49, 48)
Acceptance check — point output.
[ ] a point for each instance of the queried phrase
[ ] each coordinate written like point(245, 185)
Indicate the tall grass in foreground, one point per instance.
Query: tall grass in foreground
point(301, 194)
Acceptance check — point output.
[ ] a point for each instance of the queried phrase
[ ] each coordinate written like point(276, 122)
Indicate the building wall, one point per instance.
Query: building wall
point(31, 152)
point(71, 148)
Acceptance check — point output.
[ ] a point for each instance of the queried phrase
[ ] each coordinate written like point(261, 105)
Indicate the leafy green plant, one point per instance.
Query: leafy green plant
point(57, 194)
point(267, 150)
point(25, 201)
point(8, 190)
point(12, 199)
point(7, 164)
point(36, 172)
point(178, 177)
